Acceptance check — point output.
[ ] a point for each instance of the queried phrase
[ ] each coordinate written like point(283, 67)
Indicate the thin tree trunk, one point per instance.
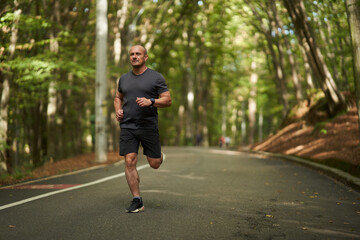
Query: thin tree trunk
point(280, 80)
point(190, 90)
point(243, 123)
point(5, 95)
point(261, 125)
point(252, 103)
point(308, 75)
point(353, 10)
point(223, 114)
point(331, 47)
point(279, 77)
point(121, 15)
point(52, 129)
point(342, 41)
point(292, 60)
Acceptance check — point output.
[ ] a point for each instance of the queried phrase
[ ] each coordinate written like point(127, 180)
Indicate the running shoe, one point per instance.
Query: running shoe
point(135, 206)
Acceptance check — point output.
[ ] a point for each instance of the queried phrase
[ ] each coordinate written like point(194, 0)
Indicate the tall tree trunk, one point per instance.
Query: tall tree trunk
point(121, 16)
point(243, 123)
point(101, 82)
point(252, 103)
point(261, 124)
point(344, 72)
point(190, 90)
point(330, 49)
point(52, 129)
point(292, 60)
point(5, 94)
point(308, 75)
point(206, 96)
point(335, 99)
point(279, 77)
point(277, 60)
point(353, 10)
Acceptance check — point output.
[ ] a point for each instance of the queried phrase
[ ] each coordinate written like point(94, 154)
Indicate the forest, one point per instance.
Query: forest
point(234, 68)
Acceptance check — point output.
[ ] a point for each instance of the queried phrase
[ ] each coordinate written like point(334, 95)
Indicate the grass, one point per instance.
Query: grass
point(17, 174)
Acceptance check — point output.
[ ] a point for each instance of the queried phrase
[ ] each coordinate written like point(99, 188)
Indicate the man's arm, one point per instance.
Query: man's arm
point(118, 100)
point(163, 101)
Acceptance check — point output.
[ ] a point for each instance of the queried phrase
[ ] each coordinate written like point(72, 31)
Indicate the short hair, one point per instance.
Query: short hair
point(145, 50)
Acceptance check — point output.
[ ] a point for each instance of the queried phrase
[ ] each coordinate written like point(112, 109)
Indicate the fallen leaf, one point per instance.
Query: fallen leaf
point(270, 216)
point(304, 228)
point(12, 226)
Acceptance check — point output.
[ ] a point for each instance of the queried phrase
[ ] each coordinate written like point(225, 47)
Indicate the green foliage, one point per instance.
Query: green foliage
point(206, 47)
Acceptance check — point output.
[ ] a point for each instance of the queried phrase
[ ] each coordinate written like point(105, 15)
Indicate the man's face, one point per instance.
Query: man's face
point(137, 56)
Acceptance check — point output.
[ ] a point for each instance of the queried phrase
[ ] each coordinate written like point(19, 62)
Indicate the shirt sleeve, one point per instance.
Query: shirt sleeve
point(119, 86)
point(161, 85)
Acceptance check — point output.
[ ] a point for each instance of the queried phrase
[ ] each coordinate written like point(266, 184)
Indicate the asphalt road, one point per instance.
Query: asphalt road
point(196, 194)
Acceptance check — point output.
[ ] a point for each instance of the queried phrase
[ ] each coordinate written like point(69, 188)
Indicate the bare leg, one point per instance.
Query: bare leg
point(131, 173)
point(155, 162)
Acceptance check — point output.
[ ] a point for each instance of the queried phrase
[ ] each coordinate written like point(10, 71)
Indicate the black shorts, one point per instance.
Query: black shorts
point(149, 139)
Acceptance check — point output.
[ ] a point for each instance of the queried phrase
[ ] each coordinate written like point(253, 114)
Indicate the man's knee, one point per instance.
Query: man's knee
point(131, 160)
point(154, 162)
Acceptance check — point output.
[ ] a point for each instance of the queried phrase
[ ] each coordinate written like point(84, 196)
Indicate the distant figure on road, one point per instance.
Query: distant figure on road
point(140, 92)
point(198, 139)
point(221, 141)
point(227, 141)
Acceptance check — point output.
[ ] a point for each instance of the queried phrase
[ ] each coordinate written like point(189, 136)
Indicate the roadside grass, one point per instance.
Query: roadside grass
point(17, 175)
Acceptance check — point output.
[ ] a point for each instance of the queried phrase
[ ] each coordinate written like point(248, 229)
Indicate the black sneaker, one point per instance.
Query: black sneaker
point(135, 206)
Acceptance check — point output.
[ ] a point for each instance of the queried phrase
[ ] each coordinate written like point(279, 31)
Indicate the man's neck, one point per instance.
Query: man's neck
point(139, 70)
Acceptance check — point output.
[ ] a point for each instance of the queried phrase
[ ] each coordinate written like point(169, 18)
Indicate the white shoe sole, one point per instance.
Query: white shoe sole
point(136, 210)
point(163, 157)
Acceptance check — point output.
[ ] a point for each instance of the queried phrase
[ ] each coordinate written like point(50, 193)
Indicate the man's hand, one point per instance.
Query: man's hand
point(119, 114)
point(143, 102)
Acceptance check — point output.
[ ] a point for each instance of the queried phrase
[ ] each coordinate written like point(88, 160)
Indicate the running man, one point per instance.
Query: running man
point(140, 92)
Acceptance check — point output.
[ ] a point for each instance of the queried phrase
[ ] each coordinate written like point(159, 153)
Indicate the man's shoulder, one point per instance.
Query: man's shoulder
point(154, 73)
point(125, 74)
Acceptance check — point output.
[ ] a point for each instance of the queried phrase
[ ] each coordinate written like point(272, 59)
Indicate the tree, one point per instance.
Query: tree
point(353, 9)
point(4, 104)
point(101, 82)
point(335, 99)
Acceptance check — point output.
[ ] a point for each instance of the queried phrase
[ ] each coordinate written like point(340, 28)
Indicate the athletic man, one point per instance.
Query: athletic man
point(140, 92)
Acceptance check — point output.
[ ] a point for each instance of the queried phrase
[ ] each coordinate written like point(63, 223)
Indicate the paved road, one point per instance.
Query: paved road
point(197, 194)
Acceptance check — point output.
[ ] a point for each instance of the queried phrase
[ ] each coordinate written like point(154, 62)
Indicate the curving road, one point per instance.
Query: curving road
point(198, 193)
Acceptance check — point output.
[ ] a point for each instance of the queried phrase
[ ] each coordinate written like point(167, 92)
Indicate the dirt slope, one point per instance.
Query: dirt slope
point(310, 134)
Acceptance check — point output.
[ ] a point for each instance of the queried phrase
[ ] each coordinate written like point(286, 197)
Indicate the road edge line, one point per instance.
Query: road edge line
point(62, 175)
point(68, 189)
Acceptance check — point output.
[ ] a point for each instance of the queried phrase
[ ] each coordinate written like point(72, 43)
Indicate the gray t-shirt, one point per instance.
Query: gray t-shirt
point(149, 84)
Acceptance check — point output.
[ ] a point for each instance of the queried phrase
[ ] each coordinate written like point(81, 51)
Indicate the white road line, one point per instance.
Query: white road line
point(68, 189)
